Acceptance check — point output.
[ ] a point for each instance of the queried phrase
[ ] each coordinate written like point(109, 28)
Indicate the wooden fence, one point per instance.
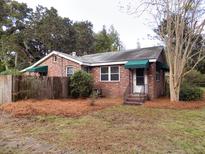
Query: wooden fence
point(5, 88)
point(15, 88)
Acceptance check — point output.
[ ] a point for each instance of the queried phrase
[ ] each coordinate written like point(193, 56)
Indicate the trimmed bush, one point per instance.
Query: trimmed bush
point(81, 84)
point(189, 92)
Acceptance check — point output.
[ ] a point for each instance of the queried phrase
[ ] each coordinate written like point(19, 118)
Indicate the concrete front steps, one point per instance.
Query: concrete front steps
point(135, 99)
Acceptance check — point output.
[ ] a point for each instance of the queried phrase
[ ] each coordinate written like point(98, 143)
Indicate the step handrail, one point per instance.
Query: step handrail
point(127, 92)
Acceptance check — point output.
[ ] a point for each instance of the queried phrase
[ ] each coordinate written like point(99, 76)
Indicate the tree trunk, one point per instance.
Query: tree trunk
point(174, 90)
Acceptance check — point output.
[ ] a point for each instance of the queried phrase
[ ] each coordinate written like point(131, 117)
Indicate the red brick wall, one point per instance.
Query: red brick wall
point(161, 84)
point(58, 68)
point(112, 89)
point(151, 81)
point(155, 88)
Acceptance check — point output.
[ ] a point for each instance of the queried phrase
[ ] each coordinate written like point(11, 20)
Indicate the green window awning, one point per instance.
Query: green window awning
point(38, 69)
point(162, 66)
point(137, 64)
point(165, 67)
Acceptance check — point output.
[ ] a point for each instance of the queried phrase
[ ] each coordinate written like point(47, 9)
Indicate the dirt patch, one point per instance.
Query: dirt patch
point(13, 141)
point(66, 107)
point(165, 103)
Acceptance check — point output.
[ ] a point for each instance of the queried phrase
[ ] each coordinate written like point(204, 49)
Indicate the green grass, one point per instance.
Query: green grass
point(124, 129)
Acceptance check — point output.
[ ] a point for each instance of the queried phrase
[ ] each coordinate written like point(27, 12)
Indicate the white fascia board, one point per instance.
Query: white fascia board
point(24, 70)
point(47, 56)
point(109, 63)
point(116, 63)
point(69, 58)
point(152, 60)
point(79, 62)
point(38, 62)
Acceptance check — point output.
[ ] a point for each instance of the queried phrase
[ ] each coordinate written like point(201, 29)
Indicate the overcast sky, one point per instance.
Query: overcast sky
point(103, 12)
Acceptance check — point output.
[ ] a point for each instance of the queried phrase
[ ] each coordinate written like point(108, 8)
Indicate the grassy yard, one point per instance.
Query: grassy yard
point(120, 129)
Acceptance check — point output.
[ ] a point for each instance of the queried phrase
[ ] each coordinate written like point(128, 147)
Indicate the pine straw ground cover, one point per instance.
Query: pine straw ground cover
point(164, 103)
point(77, 107)
point(64, 107)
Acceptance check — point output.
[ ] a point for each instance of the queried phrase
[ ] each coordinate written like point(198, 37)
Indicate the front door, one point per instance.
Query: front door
point(138, 80)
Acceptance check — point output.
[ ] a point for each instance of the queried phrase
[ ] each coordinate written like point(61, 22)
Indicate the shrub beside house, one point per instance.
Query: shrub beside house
point(81, 84)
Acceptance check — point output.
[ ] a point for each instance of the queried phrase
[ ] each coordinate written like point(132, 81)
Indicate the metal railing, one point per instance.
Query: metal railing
point(141, 95)
point(127, 92)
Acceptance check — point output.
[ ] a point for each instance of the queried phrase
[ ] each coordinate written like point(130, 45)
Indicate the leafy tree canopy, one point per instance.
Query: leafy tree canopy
point(26, 35)
point(107, 40)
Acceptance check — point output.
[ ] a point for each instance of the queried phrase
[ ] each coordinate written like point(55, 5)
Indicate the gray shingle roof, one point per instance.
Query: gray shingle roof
point(135, 54)
point(117, 56)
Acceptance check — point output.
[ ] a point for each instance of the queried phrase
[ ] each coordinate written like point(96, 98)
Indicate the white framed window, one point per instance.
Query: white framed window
point(70, 71)
point(109, 73)
point(104, 73)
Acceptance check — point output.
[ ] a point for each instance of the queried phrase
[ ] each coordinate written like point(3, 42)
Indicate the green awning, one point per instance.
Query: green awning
point(38, 69)
point(165, 67)
point(162, 66)
point(137, 64)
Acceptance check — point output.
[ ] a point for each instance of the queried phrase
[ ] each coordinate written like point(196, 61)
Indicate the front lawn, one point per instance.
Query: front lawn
point(119, 129)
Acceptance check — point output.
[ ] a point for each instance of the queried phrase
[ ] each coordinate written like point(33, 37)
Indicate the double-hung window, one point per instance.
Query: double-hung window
point(109, 73)
point(104, 73)
point(70, 71)
point(114, 73)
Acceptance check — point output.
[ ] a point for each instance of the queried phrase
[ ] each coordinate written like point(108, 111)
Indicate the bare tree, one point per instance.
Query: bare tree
point(184, 22)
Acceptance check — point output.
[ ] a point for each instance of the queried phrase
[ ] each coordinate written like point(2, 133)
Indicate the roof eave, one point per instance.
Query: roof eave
point(79, 62)
point(50, 54)
point(116, 63)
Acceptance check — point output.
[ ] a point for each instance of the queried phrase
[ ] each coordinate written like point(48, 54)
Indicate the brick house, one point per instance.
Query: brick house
point(137, 74)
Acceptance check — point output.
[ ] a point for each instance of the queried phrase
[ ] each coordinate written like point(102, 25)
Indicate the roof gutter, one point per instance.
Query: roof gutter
point(115, 63)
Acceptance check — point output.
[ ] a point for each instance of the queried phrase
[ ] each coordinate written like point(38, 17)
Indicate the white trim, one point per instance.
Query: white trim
point(115, 63)
point(69, 58)
point(77, 61)
point(152, 60)
point(109, 63)
point(109, 74)
point(50, 54)
point(139, 88)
